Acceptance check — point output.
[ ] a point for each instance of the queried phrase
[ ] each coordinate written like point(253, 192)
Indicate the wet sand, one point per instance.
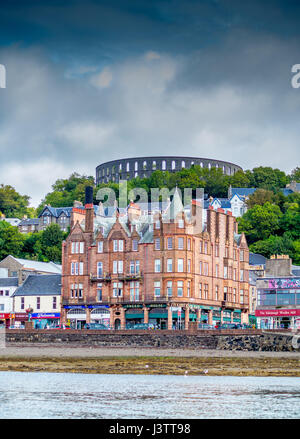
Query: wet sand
point(117, 360)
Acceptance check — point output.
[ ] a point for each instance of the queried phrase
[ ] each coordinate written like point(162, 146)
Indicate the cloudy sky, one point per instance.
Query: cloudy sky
point(91, 81)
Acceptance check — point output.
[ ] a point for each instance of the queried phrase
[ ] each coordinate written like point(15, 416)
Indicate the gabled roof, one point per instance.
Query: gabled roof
point(40, 285)
point(223, 202)
point(243, 191)
point(8, 282)
point(176, 206)
point(256, 259)
point(58, 211)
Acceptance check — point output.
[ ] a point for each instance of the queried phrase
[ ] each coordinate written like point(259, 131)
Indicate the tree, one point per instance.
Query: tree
point(259, 197)
point(295, 175)
point(280, 245)
point(290, 221)
point(240, 179)
point(267, 178)
point(260, 222)
point(11, 240)
point(12, 204)
point(66, 191)
point(51, 242)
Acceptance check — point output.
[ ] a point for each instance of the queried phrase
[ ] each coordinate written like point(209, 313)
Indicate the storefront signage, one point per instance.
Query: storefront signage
point(5, 316)
point(156, 305)
point(134, 305)
point(284, 283)
point(74, 306)
point(191, 305)
point(277, 312)
point(45, 315)
point(98, 306)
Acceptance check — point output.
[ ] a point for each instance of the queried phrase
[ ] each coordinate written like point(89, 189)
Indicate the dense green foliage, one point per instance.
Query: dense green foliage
point(273, 228)
point(66, 191)
point(42, 246)
point(14, 205)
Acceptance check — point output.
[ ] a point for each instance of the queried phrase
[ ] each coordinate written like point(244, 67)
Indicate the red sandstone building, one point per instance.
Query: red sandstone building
point(168, 270)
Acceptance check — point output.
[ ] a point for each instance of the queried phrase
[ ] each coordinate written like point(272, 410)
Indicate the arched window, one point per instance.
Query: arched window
point(127, 167)
point(201, 164)
point(145, 165)
point(209, 166)
point(154, 165)
point(183, 164)
point(120, 167)
point(224, 170)
point(163, 165)
point(173, 165)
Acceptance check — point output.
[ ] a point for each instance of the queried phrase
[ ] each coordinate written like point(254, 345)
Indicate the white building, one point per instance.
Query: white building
point(40, 297)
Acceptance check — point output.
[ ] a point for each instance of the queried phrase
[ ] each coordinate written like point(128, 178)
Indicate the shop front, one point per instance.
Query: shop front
point(5, 320)
point(134, 315)
point(159, 317)
point(18, 319)
point(76, 316)
point(100, 314)
point(45, 320)
point(278, 318)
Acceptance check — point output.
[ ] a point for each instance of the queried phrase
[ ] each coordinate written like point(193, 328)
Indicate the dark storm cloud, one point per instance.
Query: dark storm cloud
point(92, 81)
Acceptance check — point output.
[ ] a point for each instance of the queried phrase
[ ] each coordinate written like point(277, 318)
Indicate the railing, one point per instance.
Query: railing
point(120, 276)
point(101, 278)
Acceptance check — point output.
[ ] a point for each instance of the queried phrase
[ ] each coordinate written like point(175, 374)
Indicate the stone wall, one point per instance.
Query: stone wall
point(165, 339)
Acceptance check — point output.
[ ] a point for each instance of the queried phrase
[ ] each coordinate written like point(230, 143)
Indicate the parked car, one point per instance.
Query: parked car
point(140, 326)
point(205, 326)
point(228, 326)
point(95, 326)
point(59, 327)
point(17, 327)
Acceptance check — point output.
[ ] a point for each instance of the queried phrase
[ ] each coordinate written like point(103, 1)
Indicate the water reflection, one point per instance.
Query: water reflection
point(58, 395)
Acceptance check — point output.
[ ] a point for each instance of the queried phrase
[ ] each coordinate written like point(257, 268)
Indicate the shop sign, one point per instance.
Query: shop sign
point(5, 316)
point(156, 305)
point(133, 305)
point(284, 283)
point(277, 312)
point(45, 315)
point(175, 308)
point(191, 305)
point(98, 306)
point(74, 306)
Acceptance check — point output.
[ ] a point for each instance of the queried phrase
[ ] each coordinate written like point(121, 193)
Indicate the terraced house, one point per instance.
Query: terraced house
point(167, 269)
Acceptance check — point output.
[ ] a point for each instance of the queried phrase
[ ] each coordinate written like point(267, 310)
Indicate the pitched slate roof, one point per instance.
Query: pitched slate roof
point(57, 211)
point(224, 203)
point(8, 281)
point(40, 285)
point(47, 267)
point(243, 191)
point(29, 222)
point(256, 259)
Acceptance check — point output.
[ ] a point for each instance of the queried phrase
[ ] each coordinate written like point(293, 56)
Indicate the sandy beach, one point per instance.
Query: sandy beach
point(74, 359)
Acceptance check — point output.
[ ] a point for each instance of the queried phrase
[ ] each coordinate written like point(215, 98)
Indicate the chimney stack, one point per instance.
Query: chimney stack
point(89, 209)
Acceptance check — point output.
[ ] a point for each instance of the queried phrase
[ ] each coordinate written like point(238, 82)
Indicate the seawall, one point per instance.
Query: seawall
point(251, 340)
